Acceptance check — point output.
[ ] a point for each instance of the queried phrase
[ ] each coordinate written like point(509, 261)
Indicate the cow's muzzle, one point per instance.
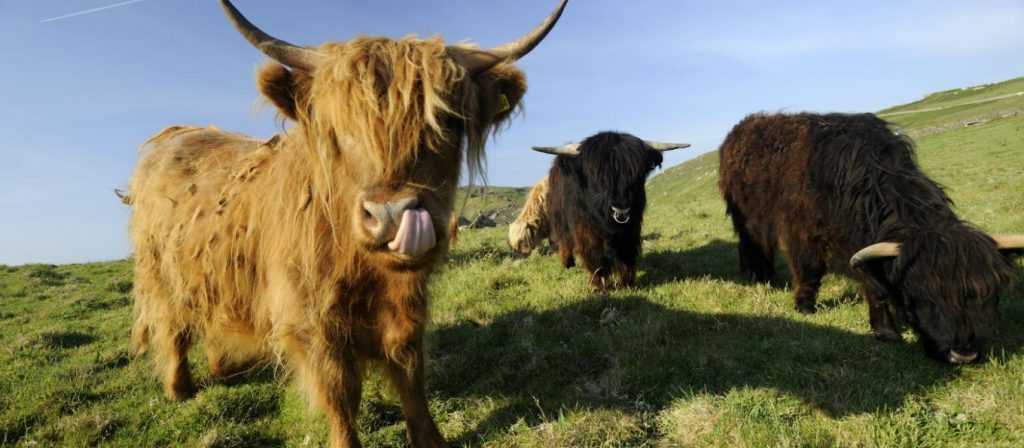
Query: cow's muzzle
point(620, 215)
point(955, 357)
point(407, 229)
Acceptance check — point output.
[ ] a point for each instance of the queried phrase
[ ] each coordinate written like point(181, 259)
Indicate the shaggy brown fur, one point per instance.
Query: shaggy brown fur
point(258, 247)
point(532, 226)
point(829, 185)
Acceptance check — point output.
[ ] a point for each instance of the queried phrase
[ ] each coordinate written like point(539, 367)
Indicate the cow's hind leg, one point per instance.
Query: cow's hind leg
point(142, 330)
point(808, 264)
point(140, 335)
point(420, 426)
point(757, 260)
point(171, 345)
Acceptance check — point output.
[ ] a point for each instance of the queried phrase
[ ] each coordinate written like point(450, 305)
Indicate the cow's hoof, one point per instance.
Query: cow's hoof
point(180, 393)
point(891, 337)
point(806, 307)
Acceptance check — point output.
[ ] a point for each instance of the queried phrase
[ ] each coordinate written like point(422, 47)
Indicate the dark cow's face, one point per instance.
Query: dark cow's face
point(615, 168)
point(949, 287)
point(949, 334)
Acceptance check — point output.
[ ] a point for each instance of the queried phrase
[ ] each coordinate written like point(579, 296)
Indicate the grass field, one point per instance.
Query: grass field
point(524, 353)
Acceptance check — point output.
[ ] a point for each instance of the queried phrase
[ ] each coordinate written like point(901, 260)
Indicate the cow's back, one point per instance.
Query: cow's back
point(764, 166)
point(180, 213)
point(180, 156)
point(828, 177)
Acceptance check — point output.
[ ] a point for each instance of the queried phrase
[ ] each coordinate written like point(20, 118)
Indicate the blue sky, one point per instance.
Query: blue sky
point(79, 94)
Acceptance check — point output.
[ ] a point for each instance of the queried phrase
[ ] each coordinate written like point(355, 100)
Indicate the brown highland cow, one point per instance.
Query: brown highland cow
point(315, 246)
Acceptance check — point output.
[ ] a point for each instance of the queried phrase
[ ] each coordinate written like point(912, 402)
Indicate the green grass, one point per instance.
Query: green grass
point(524, 353)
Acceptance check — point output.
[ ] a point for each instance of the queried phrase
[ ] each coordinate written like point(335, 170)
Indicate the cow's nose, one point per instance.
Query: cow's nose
point(381, 219)
point(962, 357)
point(620, 215)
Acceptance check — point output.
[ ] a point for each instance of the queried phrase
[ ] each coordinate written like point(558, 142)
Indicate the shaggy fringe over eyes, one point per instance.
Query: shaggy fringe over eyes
point(948, 264)
point(612, 159)
point(393, 97)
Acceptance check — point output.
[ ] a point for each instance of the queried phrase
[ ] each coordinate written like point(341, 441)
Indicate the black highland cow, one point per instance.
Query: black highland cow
point(847, 186)
point(596, 202)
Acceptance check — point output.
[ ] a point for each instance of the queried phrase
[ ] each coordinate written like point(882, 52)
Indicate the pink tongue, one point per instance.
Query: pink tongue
point(415, 234)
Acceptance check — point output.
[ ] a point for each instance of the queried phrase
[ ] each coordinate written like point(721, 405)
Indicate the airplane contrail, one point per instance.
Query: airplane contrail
point(89, 11)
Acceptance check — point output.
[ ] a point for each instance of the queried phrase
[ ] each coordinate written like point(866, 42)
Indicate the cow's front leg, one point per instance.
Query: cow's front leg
point(599, 267)
point(883, 325)
point(565, 254)
point(808, 264)
point(407, 380)
point(627, 274)
point(171, 345)
point(332, 374)
point(625, 264)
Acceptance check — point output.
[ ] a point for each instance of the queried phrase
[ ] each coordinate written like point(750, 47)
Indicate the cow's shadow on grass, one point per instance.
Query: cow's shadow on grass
point(634, 355)
point(717, 259)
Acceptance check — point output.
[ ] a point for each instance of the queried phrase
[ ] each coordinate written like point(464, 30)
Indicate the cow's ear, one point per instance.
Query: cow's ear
point(501, 91)
point(654, 160)
point(285, 89)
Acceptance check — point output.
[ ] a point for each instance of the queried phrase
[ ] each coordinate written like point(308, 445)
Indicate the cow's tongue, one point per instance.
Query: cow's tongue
point(415, 234)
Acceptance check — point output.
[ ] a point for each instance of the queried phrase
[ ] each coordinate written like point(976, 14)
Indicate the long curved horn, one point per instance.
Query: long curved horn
point(877, 250)
point(290, 55)
point(1008, 242)
point(568, 149)
point(659, 146)
point(480, 61)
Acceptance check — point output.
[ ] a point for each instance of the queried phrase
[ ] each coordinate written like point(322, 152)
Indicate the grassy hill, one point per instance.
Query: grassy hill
point(959, 107)
point(501, 204)
point(524, 353)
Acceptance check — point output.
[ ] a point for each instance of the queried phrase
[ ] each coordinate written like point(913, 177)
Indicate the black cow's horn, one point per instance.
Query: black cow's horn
point(1009, 242)
point(480, 61)
point(659, 146)
point(877, 250)
point(568, 149)
point(290, 55)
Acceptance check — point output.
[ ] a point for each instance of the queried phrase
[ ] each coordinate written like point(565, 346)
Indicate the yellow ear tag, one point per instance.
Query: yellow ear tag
point(503, 104)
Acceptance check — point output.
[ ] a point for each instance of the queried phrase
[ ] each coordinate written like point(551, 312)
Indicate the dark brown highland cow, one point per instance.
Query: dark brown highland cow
point(846, 186)
point(596, 201)
point(315, 246)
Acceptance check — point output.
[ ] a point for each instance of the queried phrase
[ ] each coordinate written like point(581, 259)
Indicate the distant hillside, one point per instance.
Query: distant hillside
point(500, 204)
point(950, 109)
